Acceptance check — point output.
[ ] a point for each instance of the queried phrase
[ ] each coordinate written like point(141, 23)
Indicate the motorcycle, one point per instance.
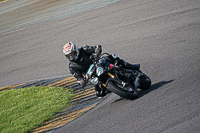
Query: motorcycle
point(123, 82)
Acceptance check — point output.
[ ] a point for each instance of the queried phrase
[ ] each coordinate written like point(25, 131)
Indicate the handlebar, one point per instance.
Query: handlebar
point(95, 57)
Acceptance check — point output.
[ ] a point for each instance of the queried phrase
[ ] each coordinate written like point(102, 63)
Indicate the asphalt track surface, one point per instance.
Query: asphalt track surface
point(162, 35)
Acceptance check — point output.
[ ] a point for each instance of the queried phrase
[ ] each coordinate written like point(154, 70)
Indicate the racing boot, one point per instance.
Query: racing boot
point(132, 67)
point(129, 66)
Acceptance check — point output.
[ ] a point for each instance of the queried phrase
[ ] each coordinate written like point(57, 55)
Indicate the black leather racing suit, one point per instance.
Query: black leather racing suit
point(80, 66)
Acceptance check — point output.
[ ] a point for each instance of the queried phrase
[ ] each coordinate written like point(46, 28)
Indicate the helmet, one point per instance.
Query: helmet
point(71, 51)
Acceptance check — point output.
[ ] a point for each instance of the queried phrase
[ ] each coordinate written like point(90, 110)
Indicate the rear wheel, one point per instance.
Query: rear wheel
point(145, 82)
point(123, 93)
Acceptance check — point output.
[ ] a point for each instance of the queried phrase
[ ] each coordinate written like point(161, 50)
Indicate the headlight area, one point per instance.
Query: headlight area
point(94, 81)
point(99, 71)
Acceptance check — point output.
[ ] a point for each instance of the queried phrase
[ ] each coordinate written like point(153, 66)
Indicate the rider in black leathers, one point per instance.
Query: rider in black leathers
point(80, 60)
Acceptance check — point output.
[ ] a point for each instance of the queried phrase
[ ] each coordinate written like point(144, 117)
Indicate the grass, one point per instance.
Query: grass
point(22, 110)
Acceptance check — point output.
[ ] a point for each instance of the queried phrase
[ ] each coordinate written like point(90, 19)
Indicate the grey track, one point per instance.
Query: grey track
point(162, 35)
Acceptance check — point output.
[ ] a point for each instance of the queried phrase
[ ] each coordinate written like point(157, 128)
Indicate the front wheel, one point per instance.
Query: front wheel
point(123, 93)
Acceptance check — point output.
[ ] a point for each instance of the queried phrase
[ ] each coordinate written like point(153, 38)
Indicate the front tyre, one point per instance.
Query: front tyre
point(123, 93)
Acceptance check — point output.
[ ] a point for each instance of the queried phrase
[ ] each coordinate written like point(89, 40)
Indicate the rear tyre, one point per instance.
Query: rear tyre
point(123, 93)
point(145, 82)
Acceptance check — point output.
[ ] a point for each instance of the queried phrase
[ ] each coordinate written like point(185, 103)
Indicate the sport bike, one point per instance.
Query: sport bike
point(123, 82)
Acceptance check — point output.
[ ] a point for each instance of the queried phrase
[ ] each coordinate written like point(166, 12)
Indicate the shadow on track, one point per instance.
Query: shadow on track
point(152, 88)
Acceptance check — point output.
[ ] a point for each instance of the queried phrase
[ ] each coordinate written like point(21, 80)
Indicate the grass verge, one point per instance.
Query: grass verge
point(22, 110)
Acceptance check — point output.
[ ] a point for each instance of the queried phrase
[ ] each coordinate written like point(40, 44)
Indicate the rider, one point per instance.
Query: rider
point(80, 62)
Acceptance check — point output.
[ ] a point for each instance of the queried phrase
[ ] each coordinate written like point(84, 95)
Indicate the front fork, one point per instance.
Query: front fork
point(112, 76)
